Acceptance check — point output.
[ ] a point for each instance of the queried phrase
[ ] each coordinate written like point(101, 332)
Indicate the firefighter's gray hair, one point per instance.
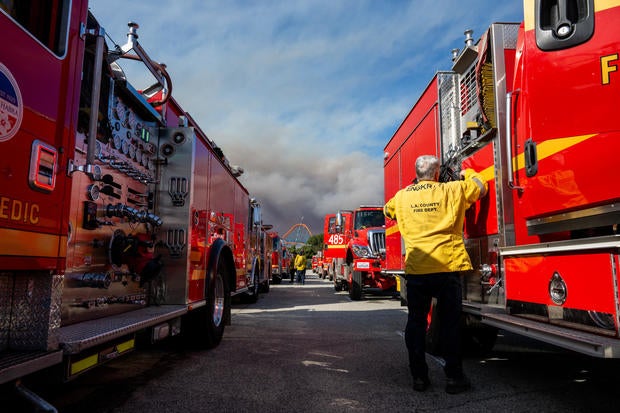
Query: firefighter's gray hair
point(426, 167)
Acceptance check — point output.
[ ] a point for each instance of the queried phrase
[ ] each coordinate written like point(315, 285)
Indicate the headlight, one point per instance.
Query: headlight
point(361, 251)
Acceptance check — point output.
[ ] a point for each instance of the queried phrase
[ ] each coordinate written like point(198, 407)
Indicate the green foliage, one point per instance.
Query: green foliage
point(312, 246)
point(316, 241)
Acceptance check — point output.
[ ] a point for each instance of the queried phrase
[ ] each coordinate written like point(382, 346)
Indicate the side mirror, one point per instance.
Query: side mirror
point(339, 222)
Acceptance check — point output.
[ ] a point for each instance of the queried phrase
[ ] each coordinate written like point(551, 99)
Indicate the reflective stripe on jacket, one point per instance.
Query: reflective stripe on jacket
point(430, 219)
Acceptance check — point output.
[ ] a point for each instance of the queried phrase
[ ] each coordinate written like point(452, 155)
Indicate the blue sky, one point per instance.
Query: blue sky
point(303, 94)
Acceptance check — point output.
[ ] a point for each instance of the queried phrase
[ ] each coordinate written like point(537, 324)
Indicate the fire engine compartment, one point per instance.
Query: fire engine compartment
point(157, 229)
point(110, 253)
point(548, 226)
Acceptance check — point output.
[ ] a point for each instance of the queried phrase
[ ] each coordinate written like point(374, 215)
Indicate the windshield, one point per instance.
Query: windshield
point(46, 20)
point(332, 228)
point(367, 219)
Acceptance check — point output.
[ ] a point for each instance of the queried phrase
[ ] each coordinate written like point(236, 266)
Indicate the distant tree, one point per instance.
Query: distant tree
point(316, 242)
point(313, 245)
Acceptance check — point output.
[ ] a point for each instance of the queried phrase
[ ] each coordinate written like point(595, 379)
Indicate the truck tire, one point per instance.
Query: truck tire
point(251, 296)
point(355, 289)
point(478, 339)
point(342, 282)
point(265, 287)
point(204, 327)
point(216, 308)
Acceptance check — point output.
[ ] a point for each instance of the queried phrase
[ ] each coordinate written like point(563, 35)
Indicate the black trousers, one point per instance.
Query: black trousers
point(421, 288)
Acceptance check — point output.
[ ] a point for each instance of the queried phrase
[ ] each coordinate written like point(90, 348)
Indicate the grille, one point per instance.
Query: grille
point(376, 241)
point(468, 90)
point(449, 112)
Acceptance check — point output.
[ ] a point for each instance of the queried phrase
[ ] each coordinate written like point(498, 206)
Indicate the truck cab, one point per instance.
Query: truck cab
point(364, 253)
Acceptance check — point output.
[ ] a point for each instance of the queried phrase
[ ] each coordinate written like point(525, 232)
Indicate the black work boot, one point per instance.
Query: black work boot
point(421, 383)
point(457, 385)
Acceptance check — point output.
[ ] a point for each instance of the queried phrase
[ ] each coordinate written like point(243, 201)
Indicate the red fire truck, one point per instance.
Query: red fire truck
point(356, 242)
point(315, 263)
point(129, 221)
point(324, 263)
point(532, 106)
point(280, 260)
point(334, 248)
point(261, 249)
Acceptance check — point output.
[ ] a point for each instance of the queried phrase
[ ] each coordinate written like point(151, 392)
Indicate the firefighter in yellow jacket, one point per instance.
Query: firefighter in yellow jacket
point(430, 216)
point(300, 267)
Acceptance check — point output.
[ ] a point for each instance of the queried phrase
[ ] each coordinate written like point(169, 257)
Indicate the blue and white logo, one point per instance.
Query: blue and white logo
point(11, 108)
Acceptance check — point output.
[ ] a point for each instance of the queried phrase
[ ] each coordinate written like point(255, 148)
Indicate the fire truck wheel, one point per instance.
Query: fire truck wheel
point(479, 340)
point(276, 279)
point(355, 290)
point(204, 327)
point(217, 308)
point(264, 287)
point(338, 285)
point(252, 295)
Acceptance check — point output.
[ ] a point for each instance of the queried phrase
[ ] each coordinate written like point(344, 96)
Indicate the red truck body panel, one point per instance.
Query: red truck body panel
point(415, 136)
point(122, 223)
point(535, 117)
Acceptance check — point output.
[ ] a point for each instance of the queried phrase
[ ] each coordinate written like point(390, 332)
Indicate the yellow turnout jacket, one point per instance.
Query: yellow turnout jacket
point(300, 262)
point(430, 219)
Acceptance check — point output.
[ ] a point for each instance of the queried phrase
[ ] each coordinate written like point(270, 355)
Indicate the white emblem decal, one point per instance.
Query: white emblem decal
point(11, 108)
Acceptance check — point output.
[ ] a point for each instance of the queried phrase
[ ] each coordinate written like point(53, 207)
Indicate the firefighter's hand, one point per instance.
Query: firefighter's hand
point(462, 174)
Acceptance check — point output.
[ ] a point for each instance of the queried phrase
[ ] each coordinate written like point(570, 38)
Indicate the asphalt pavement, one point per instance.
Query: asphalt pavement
point(308, 348)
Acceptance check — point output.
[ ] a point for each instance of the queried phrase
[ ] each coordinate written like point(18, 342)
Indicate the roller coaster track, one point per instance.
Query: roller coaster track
point(294, 234)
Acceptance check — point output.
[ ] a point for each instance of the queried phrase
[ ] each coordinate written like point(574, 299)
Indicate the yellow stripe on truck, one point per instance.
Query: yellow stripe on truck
point(543, 150)
point(127, 345)
point(84, 364)
point(391, 230)
point(31, 244)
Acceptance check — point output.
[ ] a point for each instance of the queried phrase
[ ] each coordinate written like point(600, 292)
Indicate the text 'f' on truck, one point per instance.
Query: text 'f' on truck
point(532, 106)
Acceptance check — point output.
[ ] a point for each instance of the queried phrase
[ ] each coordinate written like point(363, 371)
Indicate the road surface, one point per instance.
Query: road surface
point(311, 349)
